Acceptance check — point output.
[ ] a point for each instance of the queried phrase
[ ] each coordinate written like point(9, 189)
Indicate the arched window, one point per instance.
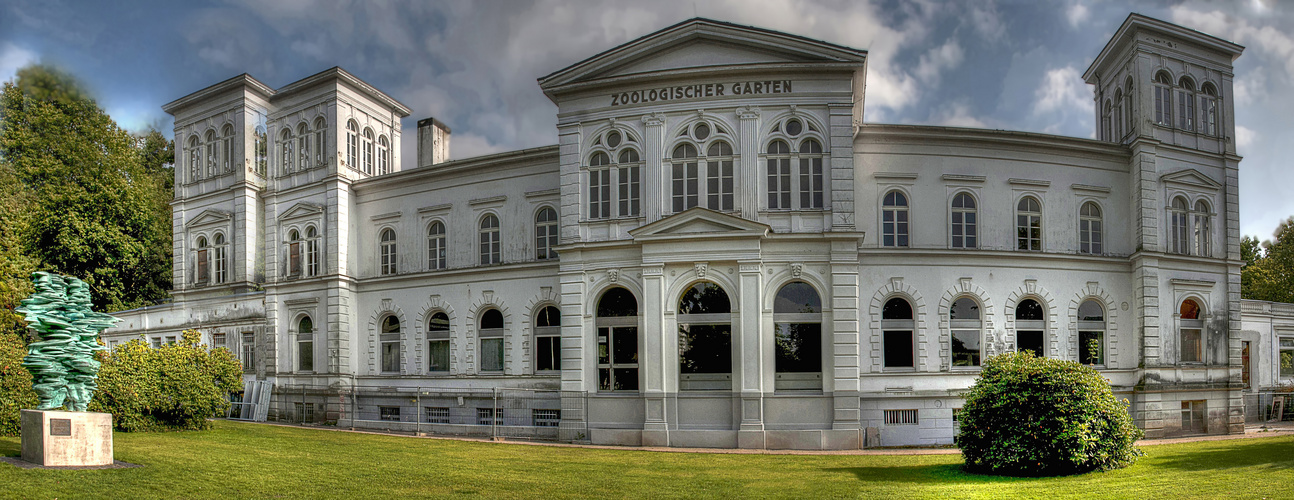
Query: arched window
point(368, 151)
point(305, 344)
point(286, 150)
point(779, 175)
point(1118, 115)
point(1030, 327)
point(630, 183)
point(1028, 224)
point(1163, 99)
point(704, 338)
point(438, 335)
point(1091, 333)
point(388, 251)
point(683, 176)
point(898, 334)
point(894, 219)
point(195, 159)
point(1186, 104)
point(1209, 110)
point(617, 324)
point(303, 147)
point(797, 333)
point(491, 252)
point(312, 251)
point(1191, 332)
point(1203, 229)
point(548, 339)
point(204, 273)
point(221, 260)
point(811, 183)
point(352, 144)
point(390, 339)
point(321, 140)
point(962, 230)
point(294, 253)
point(599, 186)
point(262, 147)
point(213, 166)
point(718, 177)
point(1129, 100)
point(1090, 236)
point(1107, 114)
point(964, 317)
point(491, 335)
point(1179, 233)
point(436, 248)
point(546, 234)
point(227, 148)
point(383, 156)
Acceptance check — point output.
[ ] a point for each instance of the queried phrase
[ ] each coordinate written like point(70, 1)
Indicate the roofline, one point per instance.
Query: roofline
point(341, 74)
point(696, 21)
point(456, 166)
point(1138, 20)
point(244, 80)
point(998, 135)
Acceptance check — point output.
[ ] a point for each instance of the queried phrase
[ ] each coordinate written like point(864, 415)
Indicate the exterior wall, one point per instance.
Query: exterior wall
point(746, 85)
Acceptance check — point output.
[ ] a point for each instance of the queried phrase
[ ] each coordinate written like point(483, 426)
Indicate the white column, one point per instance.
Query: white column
point(655, 176)
point(750, 368)
point(658, 377)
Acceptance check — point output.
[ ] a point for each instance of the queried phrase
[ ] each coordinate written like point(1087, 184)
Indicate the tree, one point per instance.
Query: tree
point(96, 197)
point(1031, 416)
point(1269, 274)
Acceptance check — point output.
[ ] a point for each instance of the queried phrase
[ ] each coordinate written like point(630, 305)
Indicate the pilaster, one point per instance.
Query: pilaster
point(654, 174)
point(845, 381)
point(748, 171)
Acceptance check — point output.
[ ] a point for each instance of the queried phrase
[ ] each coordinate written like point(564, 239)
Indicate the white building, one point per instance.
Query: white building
point(825, 276)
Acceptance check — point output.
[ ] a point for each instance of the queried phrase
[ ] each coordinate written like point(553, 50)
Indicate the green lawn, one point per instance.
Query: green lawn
point(240, 460)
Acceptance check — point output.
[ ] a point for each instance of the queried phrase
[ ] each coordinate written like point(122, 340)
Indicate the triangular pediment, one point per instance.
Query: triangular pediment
point(1190, 177)
point(209, 217)
point(697, 43)
point(700, 222)
point(300, 210)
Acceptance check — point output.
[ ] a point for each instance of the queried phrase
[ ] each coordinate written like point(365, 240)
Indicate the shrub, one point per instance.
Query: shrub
point(174, 387)
point(1031, 416)
point(15, 381)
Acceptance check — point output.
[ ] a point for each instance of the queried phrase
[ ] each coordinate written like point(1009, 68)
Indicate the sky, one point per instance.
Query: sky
point(1013, 65)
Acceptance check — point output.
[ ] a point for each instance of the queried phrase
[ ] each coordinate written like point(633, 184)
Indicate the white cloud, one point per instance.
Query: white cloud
point(1077, 14)
point(957, 114)
point(12, 58)
point(1275, 43)
point(1062, 90)
point(986, 20)
point(1245, 137)
point(937, 60)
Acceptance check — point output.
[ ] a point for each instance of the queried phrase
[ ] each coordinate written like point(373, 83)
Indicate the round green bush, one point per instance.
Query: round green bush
point(1031, 416)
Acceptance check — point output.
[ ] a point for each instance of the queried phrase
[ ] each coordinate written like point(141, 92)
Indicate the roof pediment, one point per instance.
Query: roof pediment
point(1190, 177)
point(300, 210)
point(700, 222)
point(702, 43)
point(209, 217)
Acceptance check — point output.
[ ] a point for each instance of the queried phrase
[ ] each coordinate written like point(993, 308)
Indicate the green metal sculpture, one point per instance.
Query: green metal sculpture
point(61, 360)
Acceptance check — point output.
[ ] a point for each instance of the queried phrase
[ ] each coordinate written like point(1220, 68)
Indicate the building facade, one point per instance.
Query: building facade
point(719, 252)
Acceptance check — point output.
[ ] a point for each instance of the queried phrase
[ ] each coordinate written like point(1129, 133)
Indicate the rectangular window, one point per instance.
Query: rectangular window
point(901, 417)
point(157, 342)
point(965, 348)
point(1244, 363)
point(1031, 341)
point(222, 274)
point(312, 257)
point(1091, 348)
point(485, 416)
point(1163, 105)
point(217, 340)
point(719, 185)
point(203, 272)
point(1185, 111)
point(630, 191)
point(1192, 346)
point(898, 349)
point(894, 227)
point(249, 352)
point(618, 358)
point(389, 413)
point(811, 183)
point(599, 194)
point(228, 154)
point(437, 415)
point(779, 183)
point(438, 354)
point(1193, 413)
point(799, 348)
point(548, 353)
point(1287, 357)
point(319, 147)
point(684, 177)
point(491, 353)
point(390, 352)
point(294, 258)
point(170, 340)
point(705, 356)
point(306, 350)
point(545, 418)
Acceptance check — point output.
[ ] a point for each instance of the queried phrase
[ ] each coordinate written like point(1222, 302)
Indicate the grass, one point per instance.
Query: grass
point(242, 460)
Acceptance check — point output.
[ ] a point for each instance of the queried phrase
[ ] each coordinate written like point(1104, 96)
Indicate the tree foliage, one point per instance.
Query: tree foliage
point(1031, 416)
point(173, 387)
point(1268, 273)
point(15, 382)
point(79, 195)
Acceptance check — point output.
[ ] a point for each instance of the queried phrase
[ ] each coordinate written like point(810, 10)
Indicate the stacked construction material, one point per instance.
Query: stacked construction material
point(61, 360)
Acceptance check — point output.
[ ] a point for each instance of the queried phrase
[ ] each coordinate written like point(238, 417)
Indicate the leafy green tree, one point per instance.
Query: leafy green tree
point(95, 211)
point(1269, 274)
point(45, 82)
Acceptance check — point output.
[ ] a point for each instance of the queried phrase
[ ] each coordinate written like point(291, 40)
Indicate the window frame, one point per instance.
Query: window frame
point(1179, 234)
point(202, 271)
point(220, 259)
point(304, 344)
point(1097, 327)
point(790, 380)
point(1186, 104)
point(227, 147)
point(1028, 221)
point(389, 338)
point(437, 246)
point(550, 334)
point(899, 325)
point(973, 225)
point(703, 380)
point(312, 254)
point(1198, 325)
point(971, 325)
point(352, 144)
point(1032, 325)
point(388, 251)
point(546, 233)
point(1091, 229)
point(891, 236)
point(490, 240)
point(492, 334)
point(606, 328)
point(1202, 228)
point(437, 335)
point(1163, 99)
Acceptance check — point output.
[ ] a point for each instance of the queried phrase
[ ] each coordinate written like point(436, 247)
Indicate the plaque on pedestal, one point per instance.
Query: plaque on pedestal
point(66, 438)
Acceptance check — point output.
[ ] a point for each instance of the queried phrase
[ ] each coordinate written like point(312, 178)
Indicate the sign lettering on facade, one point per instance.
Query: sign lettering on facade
point(701, 90)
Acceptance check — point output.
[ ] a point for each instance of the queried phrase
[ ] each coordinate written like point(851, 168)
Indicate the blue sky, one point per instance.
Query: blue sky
point(1008, 65)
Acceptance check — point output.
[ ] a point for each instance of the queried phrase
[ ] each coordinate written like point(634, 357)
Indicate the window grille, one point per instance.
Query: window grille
point(545, 418)
point(389, 413)
point(485, 416)
point(900, 417)
point(437, 415)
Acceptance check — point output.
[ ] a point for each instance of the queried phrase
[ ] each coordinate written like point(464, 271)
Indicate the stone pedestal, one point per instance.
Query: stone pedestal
point(66, 438)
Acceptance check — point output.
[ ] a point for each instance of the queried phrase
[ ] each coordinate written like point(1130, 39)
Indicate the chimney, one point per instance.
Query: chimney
point(433, 142)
